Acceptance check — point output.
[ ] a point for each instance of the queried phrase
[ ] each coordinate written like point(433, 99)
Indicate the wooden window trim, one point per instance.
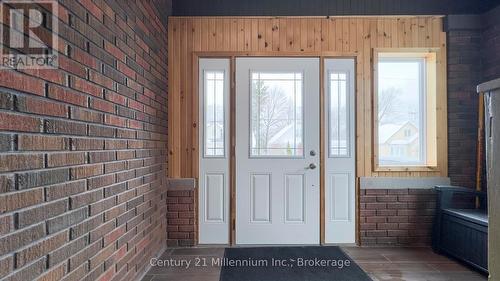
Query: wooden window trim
point(432, 135)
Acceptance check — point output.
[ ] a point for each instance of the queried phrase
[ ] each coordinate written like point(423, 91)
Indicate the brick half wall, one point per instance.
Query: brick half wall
point(396, 216)
point(181, 213)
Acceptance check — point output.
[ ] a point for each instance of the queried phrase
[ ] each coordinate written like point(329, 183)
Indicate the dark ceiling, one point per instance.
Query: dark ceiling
point(329, 7)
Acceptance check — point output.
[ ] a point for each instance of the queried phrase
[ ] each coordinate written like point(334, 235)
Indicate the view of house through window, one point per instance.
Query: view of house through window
point(276, 114)
point(214, 113)
point(401, 111)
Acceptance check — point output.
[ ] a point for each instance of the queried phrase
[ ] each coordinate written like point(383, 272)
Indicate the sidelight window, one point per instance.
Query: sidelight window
point(214, 137)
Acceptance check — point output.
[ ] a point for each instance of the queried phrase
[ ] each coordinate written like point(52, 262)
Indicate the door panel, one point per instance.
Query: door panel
point(339, 189)
point(277, 125)
point(261, 198)
point(214, 199)
point(294, 198)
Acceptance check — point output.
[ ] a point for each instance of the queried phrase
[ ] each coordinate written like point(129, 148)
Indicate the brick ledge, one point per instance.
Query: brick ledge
point(181, 184)
point(402, 182)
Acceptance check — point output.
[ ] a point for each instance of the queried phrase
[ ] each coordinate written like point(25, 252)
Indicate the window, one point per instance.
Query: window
point(405, 109)
point(214, 113)
point(276, 114)
point(338, 114)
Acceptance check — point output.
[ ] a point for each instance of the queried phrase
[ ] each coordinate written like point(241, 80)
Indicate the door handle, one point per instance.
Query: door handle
point(312, 166)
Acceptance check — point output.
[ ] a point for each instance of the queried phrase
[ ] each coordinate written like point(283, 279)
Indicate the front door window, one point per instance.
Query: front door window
point(276, 114)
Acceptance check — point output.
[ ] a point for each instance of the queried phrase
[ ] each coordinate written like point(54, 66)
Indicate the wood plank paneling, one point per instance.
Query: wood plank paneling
point(190, 37)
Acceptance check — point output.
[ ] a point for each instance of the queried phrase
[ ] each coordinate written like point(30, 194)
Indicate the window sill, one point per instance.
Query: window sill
point(406, 169)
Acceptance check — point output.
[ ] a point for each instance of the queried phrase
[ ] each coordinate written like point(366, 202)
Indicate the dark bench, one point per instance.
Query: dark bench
point(460, 229)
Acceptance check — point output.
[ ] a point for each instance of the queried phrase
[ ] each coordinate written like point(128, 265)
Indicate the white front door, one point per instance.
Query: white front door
point(277, 151)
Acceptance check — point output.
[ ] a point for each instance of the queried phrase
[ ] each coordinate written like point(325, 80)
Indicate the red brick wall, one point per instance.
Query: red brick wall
point(396, 216)
point(491, 45)
point(464, 74)
point(473, 58)
point(83, 149)
point(181, 218)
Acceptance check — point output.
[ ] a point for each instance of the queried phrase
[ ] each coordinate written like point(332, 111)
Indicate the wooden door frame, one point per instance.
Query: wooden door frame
point(232, 120)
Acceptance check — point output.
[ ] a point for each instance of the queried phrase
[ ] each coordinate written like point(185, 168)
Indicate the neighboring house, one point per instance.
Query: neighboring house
point(399, 142)
point(284, 139)
point(214, 134)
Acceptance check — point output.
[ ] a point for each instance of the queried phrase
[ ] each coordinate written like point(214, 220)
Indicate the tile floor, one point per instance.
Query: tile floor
point(381, 263)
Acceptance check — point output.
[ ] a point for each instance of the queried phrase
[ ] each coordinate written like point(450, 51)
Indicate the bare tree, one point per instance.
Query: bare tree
point(271, 114)
point(387, 100)
point(275, 113)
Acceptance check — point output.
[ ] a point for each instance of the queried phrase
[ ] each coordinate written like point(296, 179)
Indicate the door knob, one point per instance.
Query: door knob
point(312, 166)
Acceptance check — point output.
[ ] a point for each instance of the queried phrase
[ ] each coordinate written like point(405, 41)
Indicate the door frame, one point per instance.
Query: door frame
point(232, 126)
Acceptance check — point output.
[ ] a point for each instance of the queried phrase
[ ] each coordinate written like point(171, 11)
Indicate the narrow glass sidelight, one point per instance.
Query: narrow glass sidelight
point(338, 114)
point(213, 177)
point(276, 114)
point(214, 115)
point(340, 165)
